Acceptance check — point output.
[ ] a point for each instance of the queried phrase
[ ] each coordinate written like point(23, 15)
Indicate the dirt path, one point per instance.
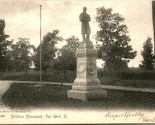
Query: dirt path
point(4, 86)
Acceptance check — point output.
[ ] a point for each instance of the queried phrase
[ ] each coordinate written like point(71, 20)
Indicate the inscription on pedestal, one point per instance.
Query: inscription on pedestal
point(81, 67)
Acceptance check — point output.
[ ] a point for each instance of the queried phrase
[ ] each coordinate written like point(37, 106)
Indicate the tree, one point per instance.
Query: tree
point(112, 40)
point(3, 46)
point(147, 53)
point(8, 64)
point(48, 50)
point(22, 54)
point(66, 59)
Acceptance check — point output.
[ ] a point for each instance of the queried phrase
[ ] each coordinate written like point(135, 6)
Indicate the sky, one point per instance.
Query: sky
point(22, 18)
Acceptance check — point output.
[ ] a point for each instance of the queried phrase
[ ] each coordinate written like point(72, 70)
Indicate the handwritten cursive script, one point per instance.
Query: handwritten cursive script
point(141, 116)
point(147, 119)
point(125, 115)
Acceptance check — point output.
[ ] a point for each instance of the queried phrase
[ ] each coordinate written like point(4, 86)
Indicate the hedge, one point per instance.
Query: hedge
point(137, 75)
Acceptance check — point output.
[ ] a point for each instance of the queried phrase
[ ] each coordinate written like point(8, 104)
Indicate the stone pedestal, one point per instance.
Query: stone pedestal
point(86, 85)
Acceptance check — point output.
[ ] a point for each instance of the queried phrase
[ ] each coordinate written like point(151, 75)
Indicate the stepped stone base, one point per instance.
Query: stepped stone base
point(87, 95)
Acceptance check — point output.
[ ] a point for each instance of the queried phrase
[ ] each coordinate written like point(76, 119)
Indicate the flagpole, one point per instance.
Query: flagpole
point(153, 20)
point(40, 52)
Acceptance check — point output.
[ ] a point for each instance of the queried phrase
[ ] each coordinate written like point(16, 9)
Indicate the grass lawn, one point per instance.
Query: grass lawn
point(26, 95)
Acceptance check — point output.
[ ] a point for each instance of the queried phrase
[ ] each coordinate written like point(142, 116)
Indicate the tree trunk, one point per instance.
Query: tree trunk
point(2, 69)
point(1, 73)
point(63, 78)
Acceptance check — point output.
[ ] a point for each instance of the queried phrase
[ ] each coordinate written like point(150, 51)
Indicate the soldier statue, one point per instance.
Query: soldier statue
point(85, 28)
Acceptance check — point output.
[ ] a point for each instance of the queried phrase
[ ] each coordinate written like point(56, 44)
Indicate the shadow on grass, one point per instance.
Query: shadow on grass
point(24, 95)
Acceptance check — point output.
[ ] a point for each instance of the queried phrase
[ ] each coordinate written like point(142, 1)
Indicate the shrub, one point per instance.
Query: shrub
point(137, 75)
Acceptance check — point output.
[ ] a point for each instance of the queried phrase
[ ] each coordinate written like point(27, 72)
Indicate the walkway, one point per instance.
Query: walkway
point(134, 89)
point(107, 87)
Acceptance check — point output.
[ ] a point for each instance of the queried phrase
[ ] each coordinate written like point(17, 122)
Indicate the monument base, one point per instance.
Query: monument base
point(87, 95)
point(86, 85)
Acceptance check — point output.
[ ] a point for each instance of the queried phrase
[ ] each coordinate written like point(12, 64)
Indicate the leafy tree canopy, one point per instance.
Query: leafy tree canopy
point(48, 50)
point(147, 53)
point(22, 53)
point(66, 55)
point(112, 40)
point(4, 44)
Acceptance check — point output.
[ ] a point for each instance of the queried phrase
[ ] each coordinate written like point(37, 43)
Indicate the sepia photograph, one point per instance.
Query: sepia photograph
point(77, 61)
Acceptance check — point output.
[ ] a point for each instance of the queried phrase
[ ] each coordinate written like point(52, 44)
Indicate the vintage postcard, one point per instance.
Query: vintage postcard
point(77, 61)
